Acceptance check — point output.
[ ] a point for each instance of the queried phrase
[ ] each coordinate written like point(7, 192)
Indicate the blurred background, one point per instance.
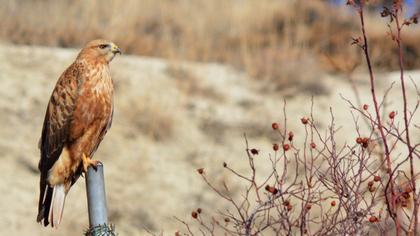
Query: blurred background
point(195, 76)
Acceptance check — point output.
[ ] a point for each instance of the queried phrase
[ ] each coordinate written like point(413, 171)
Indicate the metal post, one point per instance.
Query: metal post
point(95, 190)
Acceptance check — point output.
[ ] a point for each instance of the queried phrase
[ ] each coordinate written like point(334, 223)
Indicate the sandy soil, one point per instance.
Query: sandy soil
point(170, 119)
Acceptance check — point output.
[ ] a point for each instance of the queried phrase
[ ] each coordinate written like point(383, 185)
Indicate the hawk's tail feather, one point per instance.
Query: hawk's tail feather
point(44, 204)
point(57, 205)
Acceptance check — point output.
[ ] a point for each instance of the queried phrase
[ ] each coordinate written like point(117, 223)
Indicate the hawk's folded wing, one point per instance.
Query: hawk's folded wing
point(55, 131)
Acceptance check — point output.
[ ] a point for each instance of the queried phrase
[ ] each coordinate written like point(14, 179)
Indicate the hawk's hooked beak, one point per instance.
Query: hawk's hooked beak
point(115, 49)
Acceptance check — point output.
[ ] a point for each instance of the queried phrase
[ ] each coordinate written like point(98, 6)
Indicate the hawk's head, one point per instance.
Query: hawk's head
point(100, 50)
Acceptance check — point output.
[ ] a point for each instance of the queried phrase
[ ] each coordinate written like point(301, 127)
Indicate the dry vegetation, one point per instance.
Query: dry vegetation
point(172, 118)
point(365, 186)
point(268, 39)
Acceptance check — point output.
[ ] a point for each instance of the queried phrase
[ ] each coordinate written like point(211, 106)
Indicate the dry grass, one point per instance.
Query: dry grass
point(259, 37)
point(150, 115)
point(189, 84)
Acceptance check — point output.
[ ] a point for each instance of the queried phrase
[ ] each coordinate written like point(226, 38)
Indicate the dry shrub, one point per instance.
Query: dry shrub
point(365, 185)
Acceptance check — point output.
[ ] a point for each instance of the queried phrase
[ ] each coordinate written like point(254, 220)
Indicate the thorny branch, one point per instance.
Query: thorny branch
point(324, 187)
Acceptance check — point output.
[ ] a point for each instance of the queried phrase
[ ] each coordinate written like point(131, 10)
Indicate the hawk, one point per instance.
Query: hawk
point(78, 116)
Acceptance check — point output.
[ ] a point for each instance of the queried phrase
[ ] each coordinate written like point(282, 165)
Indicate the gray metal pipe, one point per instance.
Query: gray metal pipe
point(95, 189)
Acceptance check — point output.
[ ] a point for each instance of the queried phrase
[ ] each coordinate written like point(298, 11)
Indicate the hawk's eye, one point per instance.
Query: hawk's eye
point(102, 46)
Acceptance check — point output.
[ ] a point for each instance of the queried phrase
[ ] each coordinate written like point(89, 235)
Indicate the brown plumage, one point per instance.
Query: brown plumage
point(78, 116)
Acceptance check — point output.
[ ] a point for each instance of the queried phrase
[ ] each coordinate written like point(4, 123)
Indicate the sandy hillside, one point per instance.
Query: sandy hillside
point(170, 119)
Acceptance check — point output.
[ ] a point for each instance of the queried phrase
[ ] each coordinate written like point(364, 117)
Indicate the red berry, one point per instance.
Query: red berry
point(227, 220)
point(370, 183)
point(373, 219)
point(271, 189)
point(291, 135)
point(289, 207)
point(254, 151)
point(304, 120)
point(376, 178)
point(194, 214)
point(200, 171)
point(392, 115)
point(333, 203)
point(286, 147)
point(275, 126)
point(359, 140)
point(365, 142)
point(308, 206)
point(313, 145)
point(365, 107)
point(275, 147)
point(199, 210)
point(177, 233)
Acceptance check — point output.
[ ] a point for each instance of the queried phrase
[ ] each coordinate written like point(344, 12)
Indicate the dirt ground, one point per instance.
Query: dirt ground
point(170, 119)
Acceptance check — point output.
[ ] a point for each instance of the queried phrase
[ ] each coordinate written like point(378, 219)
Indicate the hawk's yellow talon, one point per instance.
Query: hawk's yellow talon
point(87, 161)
